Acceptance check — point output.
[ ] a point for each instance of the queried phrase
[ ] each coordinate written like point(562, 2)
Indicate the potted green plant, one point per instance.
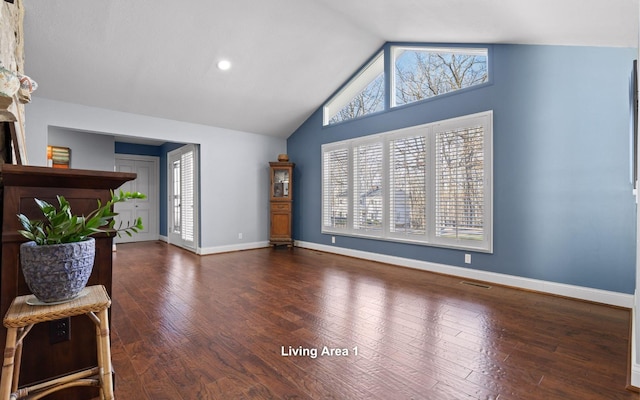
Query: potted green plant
point(58, 259)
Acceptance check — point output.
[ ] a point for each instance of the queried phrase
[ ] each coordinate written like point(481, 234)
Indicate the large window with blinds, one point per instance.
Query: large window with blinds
point(429, 184)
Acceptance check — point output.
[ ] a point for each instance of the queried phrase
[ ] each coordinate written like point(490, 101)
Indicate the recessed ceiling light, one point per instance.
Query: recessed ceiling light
point(224, 65)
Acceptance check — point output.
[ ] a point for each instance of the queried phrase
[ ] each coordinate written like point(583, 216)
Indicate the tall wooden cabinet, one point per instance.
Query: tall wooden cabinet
point(19, 185)
point(281, 203)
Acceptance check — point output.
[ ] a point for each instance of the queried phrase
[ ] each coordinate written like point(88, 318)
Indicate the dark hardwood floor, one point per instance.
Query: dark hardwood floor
point(228, 326)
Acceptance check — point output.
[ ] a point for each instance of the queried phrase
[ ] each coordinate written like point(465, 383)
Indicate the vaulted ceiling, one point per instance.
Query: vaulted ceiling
point(158, 57)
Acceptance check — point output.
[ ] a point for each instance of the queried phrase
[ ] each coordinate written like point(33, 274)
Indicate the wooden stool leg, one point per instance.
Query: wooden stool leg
point(17, 361)
point(104, 355)
point(98, 321)
point(8, 364)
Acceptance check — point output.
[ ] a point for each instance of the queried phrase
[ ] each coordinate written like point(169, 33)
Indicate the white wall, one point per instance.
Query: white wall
point(234, 165)
point(88, 151)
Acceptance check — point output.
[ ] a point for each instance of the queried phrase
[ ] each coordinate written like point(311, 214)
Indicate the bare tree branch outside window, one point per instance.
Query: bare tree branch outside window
point(370, 100)
point(424, 74)
point(459, 184)
point(336, 189)
point(408, 186)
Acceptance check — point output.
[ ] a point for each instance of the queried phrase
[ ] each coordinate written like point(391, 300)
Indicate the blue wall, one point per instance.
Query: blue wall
point(563, 205)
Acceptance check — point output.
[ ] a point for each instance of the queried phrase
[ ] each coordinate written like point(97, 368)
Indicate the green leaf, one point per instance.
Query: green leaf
point(60, 225)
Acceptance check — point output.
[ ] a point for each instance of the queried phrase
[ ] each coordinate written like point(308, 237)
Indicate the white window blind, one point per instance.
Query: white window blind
point(368, 193)
point(187, 195)
point(177, 214)
point(335, 193)
point(459, 183)
point(428, 184)
point(408, 186)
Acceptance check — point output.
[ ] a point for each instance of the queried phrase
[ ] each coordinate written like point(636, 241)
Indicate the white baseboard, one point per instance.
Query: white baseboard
point(560, 289)
point(578, 292)
point(232, 247)
point(222, 249)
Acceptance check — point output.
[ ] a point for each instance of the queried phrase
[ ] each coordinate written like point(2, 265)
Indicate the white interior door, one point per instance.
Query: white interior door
point(147, 183)
point(182, 204)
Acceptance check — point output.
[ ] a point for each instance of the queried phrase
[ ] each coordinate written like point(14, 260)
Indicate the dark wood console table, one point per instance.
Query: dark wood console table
point(19, 185)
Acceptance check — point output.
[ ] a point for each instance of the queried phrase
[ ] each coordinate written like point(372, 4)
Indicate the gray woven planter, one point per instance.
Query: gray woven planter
point(57, 272)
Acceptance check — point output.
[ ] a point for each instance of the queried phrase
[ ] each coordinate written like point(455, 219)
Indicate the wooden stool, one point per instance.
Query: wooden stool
point(21, 317)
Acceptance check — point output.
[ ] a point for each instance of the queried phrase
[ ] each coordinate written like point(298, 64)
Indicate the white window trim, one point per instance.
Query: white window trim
point(429, 238)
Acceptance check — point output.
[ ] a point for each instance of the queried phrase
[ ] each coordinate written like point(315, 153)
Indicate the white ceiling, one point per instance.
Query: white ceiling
point(158, 57)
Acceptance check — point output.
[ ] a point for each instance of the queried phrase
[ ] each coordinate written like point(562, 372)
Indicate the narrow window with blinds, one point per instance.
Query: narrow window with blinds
point(429, 184)
point(408, 186)
point(187, 195)
point(335, 192)
point(460, 183)
point(369, 192)
point(176, 203)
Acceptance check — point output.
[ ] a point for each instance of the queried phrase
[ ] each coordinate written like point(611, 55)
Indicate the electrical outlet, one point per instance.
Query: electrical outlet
point(333, 239)
point(239, 235)
point(60, 330)
point(467, 258)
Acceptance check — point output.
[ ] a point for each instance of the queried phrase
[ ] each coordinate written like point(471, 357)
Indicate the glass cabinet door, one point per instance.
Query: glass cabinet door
point(280, 183)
